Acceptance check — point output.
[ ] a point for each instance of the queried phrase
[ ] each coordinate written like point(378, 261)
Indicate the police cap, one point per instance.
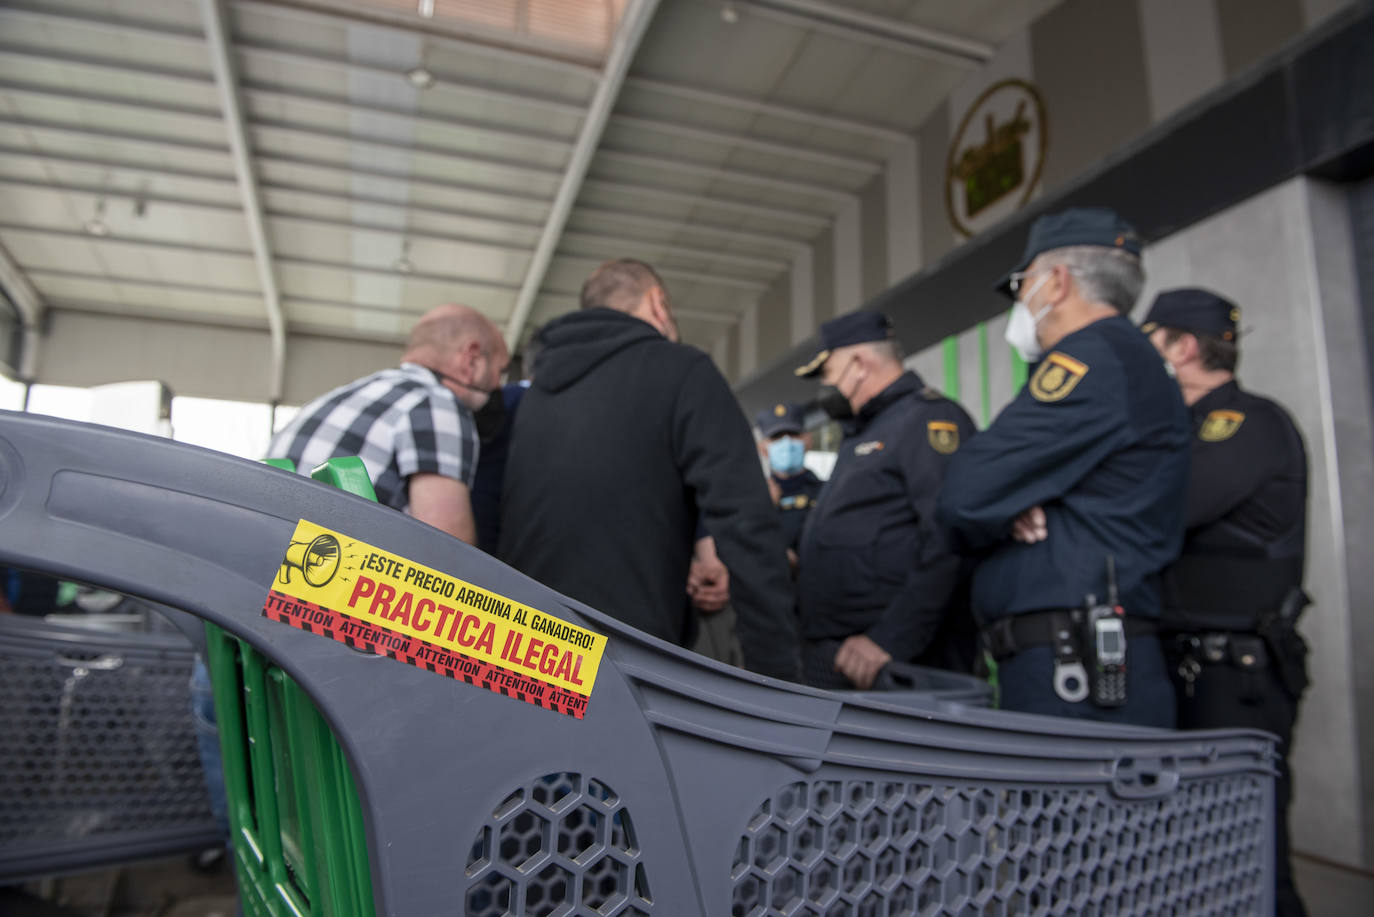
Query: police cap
point(1079, 226)
point(1194, 310)
point(784, 417)
point(854, 328)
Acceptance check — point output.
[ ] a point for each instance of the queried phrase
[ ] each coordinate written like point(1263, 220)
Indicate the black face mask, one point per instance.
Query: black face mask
point(835, 404)
point(491, 417)
point(833, 401)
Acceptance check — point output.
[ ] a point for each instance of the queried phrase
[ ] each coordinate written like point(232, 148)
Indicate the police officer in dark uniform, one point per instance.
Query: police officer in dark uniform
point(1232, 598)
point(1071, 502)
point(794, 486)
point(876, 577)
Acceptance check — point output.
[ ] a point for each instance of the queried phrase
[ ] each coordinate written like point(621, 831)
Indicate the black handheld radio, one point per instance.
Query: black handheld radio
point(1106, 639)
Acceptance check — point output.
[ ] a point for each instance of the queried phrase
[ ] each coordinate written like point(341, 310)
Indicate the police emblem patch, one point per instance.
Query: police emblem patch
point(779, 410)
point(1220, 426)
point(944, 436)
point(1056, 377)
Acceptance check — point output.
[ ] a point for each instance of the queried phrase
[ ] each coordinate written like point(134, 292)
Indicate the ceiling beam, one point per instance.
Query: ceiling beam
point(724, 233)
point(806, 116)
point(207, 290)
point(692, 199)
point(443, 82)
point(793, 151)
point(627, 218)
point(292, 260)
point(609, 240)
point(873, 30)
point(830, 193)
point(315, 165)
point(634, 23)
point(226, 81)
point(525, 169)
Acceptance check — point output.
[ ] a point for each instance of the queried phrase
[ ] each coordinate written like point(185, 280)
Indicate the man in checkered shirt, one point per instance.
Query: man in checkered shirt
point(413, 427)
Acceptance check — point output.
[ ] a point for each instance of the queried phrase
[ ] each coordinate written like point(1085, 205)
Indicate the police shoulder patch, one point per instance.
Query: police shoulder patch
point(1220, 426)
point(943, 435)
point(1058, 375)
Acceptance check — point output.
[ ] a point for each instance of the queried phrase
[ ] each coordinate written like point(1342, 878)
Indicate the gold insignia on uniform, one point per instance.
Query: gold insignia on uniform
point(869, 447)
point(1220, 426)
point(1056, 377)
point(802, 501)
point(1235, 314)
point(779, 410)
point(944, 436)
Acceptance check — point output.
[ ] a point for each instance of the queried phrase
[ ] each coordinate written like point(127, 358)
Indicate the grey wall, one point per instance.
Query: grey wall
point(937, 235)
point(775, 320)
point(1088, 57)
point(823, 270)
point(84, 349)
point(1252, 29)
point(873, 237)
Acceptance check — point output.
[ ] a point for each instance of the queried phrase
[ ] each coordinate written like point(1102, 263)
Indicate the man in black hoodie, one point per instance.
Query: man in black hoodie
point(624, 442)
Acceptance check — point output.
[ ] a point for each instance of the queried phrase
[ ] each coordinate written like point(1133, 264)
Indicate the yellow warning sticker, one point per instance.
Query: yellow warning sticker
point(359, 594)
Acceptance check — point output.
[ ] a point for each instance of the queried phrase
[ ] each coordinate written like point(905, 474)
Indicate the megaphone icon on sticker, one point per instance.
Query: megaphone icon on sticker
point(317, 559)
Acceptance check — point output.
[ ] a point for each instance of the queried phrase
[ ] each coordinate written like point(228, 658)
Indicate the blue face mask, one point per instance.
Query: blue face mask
point(785, 455)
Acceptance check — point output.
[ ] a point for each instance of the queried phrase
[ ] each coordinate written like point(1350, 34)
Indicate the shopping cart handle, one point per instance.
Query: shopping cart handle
point(1144, 778)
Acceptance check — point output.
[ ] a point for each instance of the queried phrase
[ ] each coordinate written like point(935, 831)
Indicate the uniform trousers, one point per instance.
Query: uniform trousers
point(1225, 697)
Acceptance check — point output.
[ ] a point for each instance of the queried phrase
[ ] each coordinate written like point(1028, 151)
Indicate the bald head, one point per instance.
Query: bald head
point(444, 329)
point(633, 287)
point(463, 345)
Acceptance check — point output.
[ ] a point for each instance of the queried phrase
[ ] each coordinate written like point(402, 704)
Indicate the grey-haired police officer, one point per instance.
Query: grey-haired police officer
point(1071, 502)
point(877, 579)
point(1233, 596)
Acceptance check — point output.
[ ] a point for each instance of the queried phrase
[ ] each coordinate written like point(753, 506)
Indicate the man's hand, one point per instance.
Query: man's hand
point(860, 660)
point(1031, 526)
point(708, 582)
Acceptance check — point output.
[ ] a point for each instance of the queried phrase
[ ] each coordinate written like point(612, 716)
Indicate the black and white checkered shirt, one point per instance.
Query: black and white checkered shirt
point(400, 422)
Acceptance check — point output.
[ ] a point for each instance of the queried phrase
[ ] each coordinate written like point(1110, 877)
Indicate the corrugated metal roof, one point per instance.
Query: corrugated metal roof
point(383, 191)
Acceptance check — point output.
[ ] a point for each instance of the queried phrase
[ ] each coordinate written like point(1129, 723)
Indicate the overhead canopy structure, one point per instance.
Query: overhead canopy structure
point(333, 168)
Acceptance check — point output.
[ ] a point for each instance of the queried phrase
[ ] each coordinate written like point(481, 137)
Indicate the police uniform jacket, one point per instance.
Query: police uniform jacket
point(1099, 438)
point(797, 495)
point(1247, 508)
point(872, 559)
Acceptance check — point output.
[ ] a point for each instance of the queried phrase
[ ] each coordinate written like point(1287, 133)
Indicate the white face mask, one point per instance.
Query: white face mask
point(1021, 327)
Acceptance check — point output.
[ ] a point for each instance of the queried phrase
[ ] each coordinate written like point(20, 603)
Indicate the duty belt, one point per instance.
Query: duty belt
point(1246, 652)
point(1218, 646)
point(1008, 636)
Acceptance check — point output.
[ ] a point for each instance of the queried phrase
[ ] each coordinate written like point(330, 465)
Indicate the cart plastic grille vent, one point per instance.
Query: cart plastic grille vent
point(876, 849)
point(94, 745)
point(563, 844)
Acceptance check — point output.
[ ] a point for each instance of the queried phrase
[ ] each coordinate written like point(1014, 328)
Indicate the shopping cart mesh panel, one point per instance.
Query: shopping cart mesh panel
point(563, 844)
point(94, 745)
point(877, 849)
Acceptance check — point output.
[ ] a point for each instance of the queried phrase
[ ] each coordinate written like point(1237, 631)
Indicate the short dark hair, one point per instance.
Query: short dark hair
point(619, 285)
point(1215, 353)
